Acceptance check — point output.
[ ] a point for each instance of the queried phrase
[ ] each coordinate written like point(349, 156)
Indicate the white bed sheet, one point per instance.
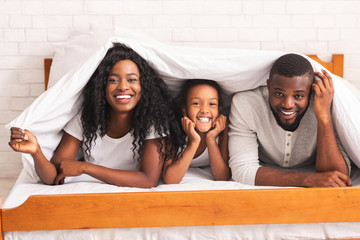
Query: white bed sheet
point(195, 179)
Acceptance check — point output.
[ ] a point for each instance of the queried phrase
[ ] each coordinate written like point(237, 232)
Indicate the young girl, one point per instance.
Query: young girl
point(207, 132)
point(122, 127)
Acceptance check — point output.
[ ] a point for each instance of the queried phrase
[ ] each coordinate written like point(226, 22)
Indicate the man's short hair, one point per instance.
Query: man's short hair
point(292, 65)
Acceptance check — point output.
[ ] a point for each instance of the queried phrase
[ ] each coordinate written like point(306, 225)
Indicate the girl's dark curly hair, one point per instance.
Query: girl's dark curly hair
point(156, 108)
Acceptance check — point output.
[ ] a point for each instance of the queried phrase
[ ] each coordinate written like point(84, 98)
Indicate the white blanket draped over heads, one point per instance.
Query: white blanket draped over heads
point(235, 70)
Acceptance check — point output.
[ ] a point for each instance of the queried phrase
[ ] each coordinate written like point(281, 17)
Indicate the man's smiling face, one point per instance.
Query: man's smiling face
point(289, 98)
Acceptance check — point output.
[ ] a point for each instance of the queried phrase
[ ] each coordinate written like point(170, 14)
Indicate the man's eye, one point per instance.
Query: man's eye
point(299, 96)
point(278, 94)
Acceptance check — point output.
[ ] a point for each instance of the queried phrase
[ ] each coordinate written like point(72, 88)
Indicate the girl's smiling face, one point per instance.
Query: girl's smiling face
point(123, 88)
point(202, 106)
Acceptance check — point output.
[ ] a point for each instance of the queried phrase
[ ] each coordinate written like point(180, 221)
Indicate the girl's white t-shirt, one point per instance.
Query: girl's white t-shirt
point(202, 160)
point(115, 153)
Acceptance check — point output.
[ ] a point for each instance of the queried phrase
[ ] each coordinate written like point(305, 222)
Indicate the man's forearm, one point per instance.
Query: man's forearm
point(328, 155)
point(267, 176)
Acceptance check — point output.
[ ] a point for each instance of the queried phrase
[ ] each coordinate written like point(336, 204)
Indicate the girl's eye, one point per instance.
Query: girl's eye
point(213, 104)
point(195, 103)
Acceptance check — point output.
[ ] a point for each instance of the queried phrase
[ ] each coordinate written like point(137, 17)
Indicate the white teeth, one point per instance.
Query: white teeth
point(203, 119)
point(287, 113)
point(123, 96)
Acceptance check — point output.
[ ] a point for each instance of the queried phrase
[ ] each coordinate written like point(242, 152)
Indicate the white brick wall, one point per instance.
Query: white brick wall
point(30, 29)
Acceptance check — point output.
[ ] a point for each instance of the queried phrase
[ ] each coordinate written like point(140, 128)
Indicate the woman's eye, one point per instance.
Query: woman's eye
point(132, 80)
point(112, 80)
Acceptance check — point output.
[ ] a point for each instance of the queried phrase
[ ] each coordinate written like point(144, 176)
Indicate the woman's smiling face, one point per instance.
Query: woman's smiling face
point(123, 88)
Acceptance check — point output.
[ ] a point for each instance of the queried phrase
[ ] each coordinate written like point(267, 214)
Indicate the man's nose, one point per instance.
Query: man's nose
point(288, 102)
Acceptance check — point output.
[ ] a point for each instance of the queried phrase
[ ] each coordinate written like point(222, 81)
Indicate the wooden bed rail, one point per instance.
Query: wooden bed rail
point(184, 208)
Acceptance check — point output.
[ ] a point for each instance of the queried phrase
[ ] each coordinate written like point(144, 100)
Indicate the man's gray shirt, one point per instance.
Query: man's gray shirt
point(255, 137)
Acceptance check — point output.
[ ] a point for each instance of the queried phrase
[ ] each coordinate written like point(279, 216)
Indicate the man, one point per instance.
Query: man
point(279, 129)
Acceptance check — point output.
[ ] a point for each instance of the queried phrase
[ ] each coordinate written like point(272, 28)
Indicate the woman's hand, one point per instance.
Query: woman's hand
point(23, 141)
point(67, 168)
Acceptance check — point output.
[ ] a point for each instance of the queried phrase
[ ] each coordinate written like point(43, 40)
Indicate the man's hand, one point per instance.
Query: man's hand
point(324, 92)
point(327, 179)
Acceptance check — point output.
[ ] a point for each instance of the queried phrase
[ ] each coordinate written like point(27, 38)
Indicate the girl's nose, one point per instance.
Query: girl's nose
point(204, 110)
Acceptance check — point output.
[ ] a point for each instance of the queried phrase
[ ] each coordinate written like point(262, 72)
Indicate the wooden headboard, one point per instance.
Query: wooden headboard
point(336, 66)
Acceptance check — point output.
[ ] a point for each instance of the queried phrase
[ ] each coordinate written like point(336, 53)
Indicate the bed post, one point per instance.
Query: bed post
point(47, 65)
point(1, 226)
point(336, 66)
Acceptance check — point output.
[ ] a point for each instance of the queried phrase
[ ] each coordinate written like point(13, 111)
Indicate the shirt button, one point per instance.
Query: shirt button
point(289, 134)
point(288, 144)
point(286, 162)
point(288, 154)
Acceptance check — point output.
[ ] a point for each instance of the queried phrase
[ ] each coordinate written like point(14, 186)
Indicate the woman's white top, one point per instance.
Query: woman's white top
point(109, 152)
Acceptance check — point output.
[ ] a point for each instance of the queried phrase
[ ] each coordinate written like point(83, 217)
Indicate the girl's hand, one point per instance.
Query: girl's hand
point(23, 141)
point(218, 126)
point(324, 91)
point(189, 129)
point(68, 167)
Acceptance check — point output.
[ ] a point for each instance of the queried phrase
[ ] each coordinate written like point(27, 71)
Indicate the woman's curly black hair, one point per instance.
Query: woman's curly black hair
point(156, 108)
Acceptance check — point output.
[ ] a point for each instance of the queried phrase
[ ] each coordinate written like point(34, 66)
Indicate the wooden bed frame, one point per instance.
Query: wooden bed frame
point(186, 208)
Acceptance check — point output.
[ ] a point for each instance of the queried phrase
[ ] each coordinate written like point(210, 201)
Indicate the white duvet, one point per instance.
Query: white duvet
point(235, 70)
